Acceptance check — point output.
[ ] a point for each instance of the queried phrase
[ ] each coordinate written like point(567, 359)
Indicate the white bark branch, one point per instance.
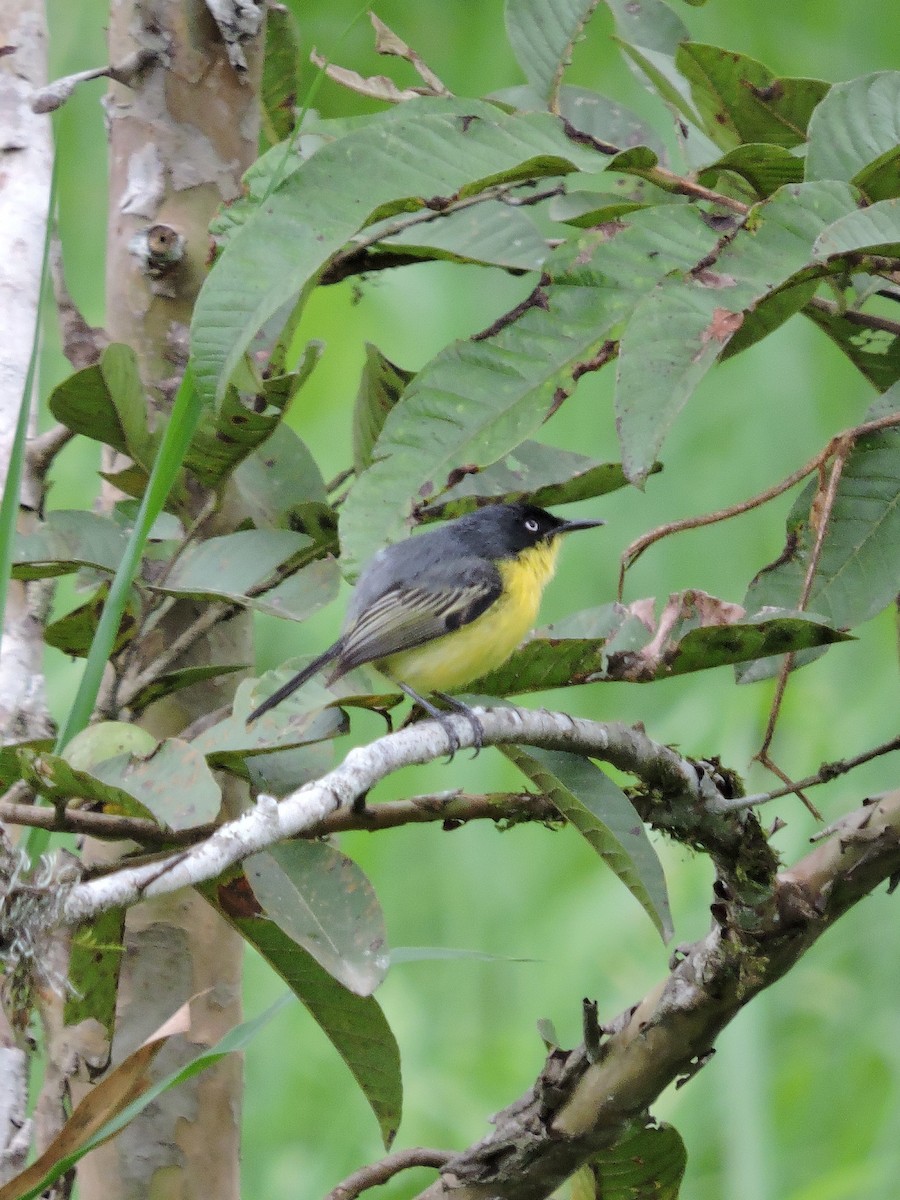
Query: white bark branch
point(26, 162)
point(271, 821)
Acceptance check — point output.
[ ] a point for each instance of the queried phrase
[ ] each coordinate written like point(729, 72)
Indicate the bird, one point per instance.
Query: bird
point(441, 608)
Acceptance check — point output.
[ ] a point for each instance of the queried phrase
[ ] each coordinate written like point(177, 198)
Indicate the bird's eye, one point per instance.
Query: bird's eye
point(531, 525)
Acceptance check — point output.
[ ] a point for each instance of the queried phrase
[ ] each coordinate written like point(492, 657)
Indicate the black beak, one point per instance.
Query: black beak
point(571, 526)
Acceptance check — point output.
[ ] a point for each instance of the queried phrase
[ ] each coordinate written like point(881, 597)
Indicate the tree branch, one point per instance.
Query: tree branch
point(578, 1106)
point(685, 797)
point(386, 1168)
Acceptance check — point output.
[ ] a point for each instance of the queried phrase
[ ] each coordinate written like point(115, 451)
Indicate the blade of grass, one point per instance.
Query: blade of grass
point(176, 437)
point(235, 1040)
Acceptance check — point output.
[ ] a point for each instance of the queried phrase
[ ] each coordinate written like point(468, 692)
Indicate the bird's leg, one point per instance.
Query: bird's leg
point(465, 711)
point(435, 714)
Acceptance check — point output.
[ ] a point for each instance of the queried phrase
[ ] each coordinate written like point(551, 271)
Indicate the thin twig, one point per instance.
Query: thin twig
point(386, 1168)
point(453, 808)
point(825, 774)
point(822, 516)
point(633, 552)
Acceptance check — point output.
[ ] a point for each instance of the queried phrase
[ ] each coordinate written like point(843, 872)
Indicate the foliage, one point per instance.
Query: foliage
point(780, 198)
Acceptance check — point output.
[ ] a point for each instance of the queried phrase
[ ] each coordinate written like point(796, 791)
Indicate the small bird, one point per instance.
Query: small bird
point(440, 609)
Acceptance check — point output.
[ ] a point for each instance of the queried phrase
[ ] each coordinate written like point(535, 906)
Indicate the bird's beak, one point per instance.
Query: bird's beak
point(571, 526)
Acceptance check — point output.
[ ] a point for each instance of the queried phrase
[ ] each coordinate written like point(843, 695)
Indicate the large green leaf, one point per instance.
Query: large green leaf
point(589, 112)
point(544, 475)
point(542, 34)
point(281, 67)
point(764, 167)
point(680, 328)
point(227, 435)
point(649, 1161)
point(606, 819)
point(610, 643)
point(478, 400)
point(381, 385)
point(173, 783)
point(399, 162)
point(301, 720)
point(854, 134)
point(875, 228)
point(650, 24)
point(74, 632)
point(858, 573)
point(355, 1025)
point(68, 540)
point(94, 964)
point(277, 478)
point(740, 100)
point(490, 233)
point(322, 900)
point(227, 567)
point(106, 402)
point(874, 352)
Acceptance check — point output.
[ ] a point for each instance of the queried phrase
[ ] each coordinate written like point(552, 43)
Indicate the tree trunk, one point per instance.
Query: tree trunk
point(181, 136)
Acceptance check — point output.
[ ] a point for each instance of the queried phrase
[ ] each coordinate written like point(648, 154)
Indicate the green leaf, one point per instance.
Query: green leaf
point(647, 1161)
point(589, 112)
point(380, 387)
point(281, 67)
point(543, 474)
point(606, 819)
point(74, 632)
point(609, 643)
point(177, 434)
point(281, 772)
point(277, 477)
point(739, 100)
point(94, 964)
point(228, 742)
point(764, 167)
point(68, 540)
point(182, 677)
point(303, 593)
point(855, 132)
point(542, 34)
point(490, 233)
point(650, 24)
point(106, 402)
point(355, 1025)
point(680, 328)
point(52, 777)
point(173, 783)
point(874, 352)
point(859, 569)
point(227, 567)
point(323, 901)
point(478, 400)
point(228, 434)
point(875, 228)
point(398, 162)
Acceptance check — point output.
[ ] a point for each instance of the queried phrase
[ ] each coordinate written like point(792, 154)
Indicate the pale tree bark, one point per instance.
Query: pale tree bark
point(181, 131)
point(26, 157)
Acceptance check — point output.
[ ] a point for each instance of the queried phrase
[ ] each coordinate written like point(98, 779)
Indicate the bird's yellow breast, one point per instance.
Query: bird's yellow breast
point(448, 663)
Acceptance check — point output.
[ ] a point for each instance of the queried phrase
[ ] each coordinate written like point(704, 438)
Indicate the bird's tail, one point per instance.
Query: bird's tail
point(296, 681)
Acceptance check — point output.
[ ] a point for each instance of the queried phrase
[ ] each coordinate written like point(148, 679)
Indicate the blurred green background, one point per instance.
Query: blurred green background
point(802, 1100)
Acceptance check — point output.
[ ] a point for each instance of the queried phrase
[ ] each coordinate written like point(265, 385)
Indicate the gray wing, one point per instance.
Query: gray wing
point(442, 597)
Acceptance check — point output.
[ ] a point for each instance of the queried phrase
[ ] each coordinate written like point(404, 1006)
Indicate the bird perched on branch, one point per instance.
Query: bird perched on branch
point(442, 608)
